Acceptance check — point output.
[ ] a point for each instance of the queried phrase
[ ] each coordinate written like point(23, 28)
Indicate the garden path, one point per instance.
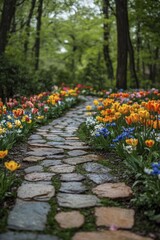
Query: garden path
point(60, 197)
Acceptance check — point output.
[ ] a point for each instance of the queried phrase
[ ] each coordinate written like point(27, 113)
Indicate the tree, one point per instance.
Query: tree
point(28, 22)
point(38, 31)
point(106, 50)
point(122, 43)
point(8, 12)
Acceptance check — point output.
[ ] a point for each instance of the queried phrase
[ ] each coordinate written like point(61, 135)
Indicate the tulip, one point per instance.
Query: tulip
point(12, 165)
point(149, 143)
point(3, 153)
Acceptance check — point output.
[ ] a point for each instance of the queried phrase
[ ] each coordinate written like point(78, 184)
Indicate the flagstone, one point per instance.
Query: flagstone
point(48, 163)
point(32, 191)
point(37, 142)
point(73, 219)
point(69, 147)
point(72, 187)
point(81, 159)
point(72, 177)
point(72, 138)
point(44, 151)
point(54, 143)
point(28, 216)
point(64, 168)
point(76, 153)
point(38, 182)
point(109, 235)
point(54, 138)
point(39, 176)
point(35, 137)
point(26, 236)
point(33, 159)
point(36, 168)
point(114, 216)
point(39, 145)
point(95, 167)
point(52, 157)
point(113, 190)
point(101, 177)
point(77, 200)
point(74, 142)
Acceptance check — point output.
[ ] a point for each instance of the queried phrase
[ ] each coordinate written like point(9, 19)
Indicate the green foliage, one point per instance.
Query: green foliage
point(15, 79)
point(7, 180)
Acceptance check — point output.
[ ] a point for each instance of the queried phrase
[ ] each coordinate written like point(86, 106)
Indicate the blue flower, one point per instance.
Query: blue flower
point(127, 133)
point(155, 168)
point(103, 132)
point(113, 124)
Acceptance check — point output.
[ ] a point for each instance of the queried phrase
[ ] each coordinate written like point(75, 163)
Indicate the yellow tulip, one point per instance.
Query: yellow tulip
point(132, 141)
point(96, 102)
point(12, 165)
point(9, 125)
point(2, 130)
point(88, 108)
point(3, 153)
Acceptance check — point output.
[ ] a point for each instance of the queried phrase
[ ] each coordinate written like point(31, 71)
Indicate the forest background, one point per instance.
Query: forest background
point(101, 43)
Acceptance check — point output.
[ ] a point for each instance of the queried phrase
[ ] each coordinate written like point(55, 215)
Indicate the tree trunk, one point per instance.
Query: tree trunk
point(8, 11)
point(106, 52)
point(138, 43)
point(38, 30)
point(28, 27)
point(134, 78)
point(153, 66)
point(122, 38)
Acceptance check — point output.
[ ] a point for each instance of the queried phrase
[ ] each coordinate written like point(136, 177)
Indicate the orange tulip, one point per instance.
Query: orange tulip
point(149, 143)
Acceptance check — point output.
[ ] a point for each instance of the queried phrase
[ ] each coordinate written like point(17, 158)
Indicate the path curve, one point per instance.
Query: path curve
point(57, 156)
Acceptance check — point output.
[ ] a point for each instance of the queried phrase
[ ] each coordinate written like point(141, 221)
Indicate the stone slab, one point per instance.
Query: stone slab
point(69, 147)
point(26, 236)
point(39, 176)
point(109, 235)
point(73, 219)
point(48, 163)
point(32, 191)
point(40, 145)
point(68, 177)
point(35, 168)
point(54, 138)
point(95, 167)
point(41, 152)
point(101, 177)
point(114, 216)
point(81, 159)
point(113, 190)
point(77, 200)
point(72, 187)
point(64, 168)
point(28, 216)
point(33, 159)
point(75, 153)
point(35, 137)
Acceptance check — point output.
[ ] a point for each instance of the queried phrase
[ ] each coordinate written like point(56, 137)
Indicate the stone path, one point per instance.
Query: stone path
point(61, 168)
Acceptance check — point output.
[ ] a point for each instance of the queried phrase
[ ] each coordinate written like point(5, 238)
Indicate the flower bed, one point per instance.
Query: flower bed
point(20, 117)
point(128, 124)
